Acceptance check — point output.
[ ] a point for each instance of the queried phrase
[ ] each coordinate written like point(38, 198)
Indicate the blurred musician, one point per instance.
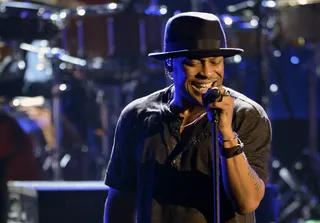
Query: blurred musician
point(17, 161)
point(16, 151)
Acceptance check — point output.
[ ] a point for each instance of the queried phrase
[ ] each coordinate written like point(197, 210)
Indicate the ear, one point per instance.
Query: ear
point(169, 65)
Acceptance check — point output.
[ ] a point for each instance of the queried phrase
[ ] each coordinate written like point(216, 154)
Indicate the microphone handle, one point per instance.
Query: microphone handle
point(214, 115)
point(212, 94)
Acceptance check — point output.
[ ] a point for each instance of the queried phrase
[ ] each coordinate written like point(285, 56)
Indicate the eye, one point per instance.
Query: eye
point(215, 62)
point(191, 62)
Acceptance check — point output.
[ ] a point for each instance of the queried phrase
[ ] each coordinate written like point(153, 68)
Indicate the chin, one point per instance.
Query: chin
point(194, 97)
point(197, 100)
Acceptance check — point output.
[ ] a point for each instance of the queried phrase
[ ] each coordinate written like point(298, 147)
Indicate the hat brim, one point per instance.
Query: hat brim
point(225, 52)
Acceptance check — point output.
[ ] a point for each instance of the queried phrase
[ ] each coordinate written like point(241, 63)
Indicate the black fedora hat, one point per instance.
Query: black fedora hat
point(196, 34)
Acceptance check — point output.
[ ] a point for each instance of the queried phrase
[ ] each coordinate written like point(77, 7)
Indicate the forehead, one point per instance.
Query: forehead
point(201, 58)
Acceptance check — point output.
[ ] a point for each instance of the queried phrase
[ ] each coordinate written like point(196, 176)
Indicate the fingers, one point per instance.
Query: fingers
point(224, 102)
point(226, 93)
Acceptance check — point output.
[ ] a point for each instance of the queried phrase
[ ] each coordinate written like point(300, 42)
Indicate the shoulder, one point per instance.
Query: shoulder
point(251, 122)
point(244, 106)
point(142, 107)
point(250, 118)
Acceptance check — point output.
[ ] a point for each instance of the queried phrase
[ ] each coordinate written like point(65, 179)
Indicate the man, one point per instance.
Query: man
point(161, 165)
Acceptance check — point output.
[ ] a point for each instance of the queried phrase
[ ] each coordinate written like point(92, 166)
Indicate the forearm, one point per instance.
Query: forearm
point(241, 182)
point(243, 185)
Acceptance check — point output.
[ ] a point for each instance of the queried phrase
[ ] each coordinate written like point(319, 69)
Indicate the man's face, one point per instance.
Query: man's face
point(193, 76)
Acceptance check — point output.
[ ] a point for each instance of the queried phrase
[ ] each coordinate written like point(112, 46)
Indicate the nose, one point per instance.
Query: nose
point(207, 69)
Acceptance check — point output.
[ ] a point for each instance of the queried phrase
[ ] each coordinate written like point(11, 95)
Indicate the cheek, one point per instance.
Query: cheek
point(187, 80)
point(181, 76)
point(220, 71)
point(189, 73)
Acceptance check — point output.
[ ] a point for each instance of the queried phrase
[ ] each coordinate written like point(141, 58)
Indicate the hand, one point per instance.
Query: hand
point(225, 106)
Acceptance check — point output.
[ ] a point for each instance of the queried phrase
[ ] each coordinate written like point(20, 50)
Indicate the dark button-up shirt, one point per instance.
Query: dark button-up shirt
point(171, 173)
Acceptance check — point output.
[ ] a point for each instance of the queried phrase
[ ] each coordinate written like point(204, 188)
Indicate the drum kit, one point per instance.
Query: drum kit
point(104, 47)
point(99, 46)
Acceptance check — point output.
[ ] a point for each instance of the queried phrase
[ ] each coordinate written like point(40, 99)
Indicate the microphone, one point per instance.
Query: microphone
point(212, 95)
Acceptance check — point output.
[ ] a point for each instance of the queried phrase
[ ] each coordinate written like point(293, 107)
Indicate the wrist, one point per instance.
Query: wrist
point(229, 140)
point(231, 148)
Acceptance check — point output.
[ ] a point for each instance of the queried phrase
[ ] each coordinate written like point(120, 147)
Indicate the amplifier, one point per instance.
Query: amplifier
point(54, 201)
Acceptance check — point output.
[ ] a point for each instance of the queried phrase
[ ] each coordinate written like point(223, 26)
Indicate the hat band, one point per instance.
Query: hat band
point(199, 44)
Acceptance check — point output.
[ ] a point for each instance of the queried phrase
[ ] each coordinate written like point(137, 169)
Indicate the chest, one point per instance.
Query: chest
point(163, 145)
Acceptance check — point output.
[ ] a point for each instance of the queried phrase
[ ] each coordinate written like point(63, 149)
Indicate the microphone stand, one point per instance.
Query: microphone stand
point(214, 119)
point(210, 96)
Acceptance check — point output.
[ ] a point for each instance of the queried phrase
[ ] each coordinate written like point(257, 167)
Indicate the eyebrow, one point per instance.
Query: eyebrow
point(204, 59)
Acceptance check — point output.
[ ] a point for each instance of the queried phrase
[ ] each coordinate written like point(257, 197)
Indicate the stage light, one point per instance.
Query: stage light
point(81, 11)
point(294, 60)
point(163, 10)
point(21, 65)
point(112, 5)
point(16, 102)
point(54, 17)
point(63, 66)
point(228, 21)
point(277, 53)
point(275, 164)
point(274, 88)
point(269, 4)
point(231, 8)
point(63, 87)
point(298, 165)
point(237, 58)
point(301, 41)
point(254, 22)
point(63, 15)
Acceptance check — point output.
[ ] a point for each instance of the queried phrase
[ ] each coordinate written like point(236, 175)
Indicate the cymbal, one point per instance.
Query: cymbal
point(23, 5)
point(72, 4)
point(20, 21)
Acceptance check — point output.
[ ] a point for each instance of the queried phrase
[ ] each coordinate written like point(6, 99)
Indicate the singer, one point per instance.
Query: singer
point(160, 169)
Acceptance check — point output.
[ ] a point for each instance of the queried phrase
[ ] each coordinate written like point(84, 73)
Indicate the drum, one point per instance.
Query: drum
point(241, 32)
point(24, 22)
point(299, 20)
point(94, 32)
